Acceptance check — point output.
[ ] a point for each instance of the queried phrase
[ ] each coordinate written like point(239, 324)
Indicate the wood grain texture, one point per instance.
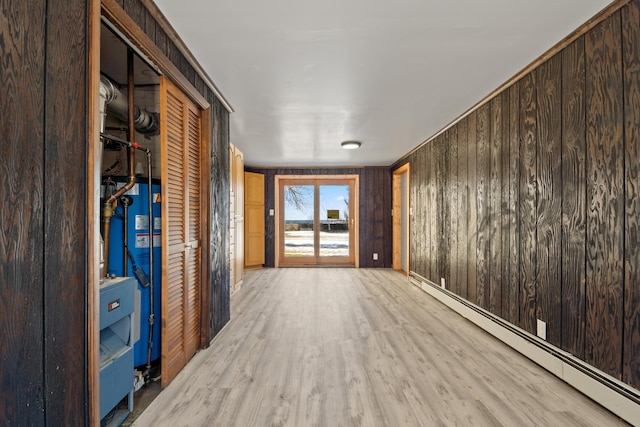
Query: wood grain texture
point(605, 200)
point(150, 29)
point(414, 207)
point(496, 258)
point(505, 212)
point(631, 64)
point(513, 287)
point(527, 198)
point(453, 282)
point(65, 248)
point(574, 194)
point(22, 187)
point(549, 198)
point(219, 212)
point(420, 232)
point(526, 202)
point(433, 196)
point(161, 40)
point(472, 208)
point(136, 11)
point(463, 213)
point(359, 347)
point(443, 206)
point(483, 254)
point(375, 231)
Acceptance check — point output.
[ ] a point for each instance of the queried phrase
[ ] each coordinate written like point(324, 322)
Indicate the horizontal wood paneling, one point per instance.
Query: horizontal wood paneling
point(547, 177)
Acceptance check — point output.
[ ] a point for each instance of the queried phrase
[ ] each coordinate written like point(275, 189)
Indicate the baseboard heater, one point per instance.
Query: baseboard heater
point(616, 396)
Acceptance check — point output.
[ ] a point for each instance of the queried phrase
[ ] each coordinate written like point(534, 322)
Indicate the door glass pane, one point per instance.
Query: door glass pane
point(298, 221)
point(334, 220)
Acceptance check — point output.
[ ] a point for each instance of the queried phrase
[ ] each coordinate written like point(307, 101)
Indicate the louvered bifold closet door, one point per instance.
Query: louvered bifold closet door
point(194, 252)
point(181, 205)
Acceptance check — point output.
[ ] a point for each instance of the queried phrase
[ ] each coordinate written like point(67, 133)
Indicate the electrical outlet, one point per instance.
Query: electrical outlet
point(271, 212)
point(375, 256)
point(541, 329)
point(442, 283)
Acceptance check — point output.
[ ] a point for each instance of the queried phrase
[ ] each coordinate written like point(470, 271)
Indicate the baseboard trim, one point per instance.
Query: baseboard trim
point(616, 396)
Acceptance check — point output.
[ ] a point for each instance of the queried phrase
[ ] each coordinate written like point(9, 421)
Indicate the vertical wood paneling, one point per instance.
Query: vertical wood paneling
point(136, 11)
point(483, 199)
point(472, 208)
point(549, 197)
point(150, 26)
point(631, 57)
point(65, 213)
point(463, 212)
point(528, 191)
point(505, 212)
point(375, 191)
point(605, 203)
point(415, 233)
point(219, 213)
point(432, 208)
point(495, 206)
point(161, 40)
point(513, 284)
point(422, 237)
point(453, 282)
point(542, 200)
point(22, 67)
point(573, 199)
point(443, 208)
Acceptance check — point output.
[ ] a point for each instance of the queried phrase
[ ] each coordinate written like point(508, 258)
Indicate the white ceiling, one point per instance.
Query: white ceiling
point(303, 76)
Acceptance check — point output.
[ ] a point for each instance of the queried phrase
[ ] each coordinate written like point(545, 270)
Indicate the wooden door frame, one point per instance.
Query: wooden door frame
point(353, 202)
point(398, 209)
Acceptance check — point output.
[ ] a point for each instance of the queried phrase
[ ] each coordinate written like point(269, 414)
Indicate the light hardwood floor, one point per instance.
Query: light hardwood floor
point(359, 347)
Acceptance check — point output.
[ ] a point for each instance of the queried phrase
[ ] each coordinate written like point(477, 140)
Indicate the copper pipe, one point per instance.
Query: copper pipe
point(108, 208)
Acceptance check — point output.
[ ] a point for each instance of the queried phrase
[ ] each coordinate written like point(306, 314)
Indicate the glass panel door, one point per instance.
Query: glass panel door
point(299, 221)
point(316, 221)
point(334, 221)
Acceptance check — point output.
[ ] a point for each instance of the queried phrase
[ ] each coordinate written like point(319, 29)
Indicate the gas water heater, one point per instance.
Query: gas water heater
point(136, 249)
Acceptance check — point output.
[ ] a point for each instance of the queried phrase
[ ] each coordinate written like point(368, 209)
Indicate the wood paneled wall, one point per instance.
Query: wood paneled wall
point(219, 241)
point(374, 206)
point(43, 214)
point(529, 205)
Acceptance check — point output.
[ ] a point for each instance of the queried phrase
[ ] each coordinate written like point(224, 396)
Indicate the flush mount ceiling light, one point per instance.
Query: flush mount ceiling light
point(351, 145)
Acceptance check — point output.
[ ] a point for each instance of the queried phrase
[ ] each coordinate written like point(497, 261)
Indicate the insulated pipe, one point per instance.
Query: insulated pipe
point(107, 210)
point(144, 121)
